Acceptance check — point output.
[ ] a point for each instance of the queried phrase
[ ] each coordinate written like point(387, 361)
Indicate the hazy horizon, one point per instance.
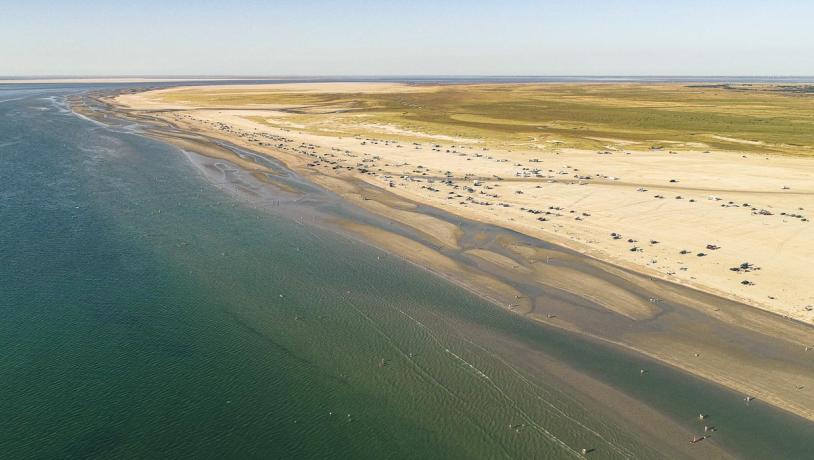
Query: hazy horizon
point(363, 38)
point(385, 76)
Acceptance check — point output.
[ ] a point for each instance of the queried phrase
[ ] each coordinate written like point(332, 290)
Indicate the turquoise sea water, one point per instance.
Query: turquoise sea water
point(145, 314)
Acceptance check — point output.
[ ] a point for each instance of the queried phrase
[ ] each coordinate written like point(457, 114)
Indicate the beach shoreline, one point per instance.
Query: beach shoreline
point(486, 273)
point(679, 215)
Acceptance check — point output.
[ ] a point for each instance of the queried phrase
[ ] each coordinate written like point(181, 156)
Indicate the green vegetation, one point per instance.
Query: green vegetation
point(754, 118)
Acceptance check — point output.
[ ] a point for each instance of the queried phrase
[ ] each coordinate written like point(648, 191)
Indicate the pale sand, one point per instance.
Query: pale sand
point(720, 360)
point(781, 246)
point(141, 101)
point(308, 87)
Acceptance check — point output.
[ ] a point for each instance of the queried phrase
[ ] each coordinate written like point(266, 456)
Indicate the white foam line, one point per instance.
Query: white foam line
point(96, 122)
point(528, 418)
point(620, 450)
point(421, 370)
point(424, 373)
point(467, 363)
point(9, 144)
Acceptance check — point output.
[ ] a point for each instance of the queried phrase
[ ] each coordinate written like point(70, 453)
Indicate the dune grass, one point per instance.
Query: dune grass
point(749, 118)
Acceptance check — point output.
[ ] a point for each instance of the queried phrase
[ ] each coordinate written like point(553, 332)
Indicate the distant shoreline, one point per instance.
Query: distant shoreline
point(100, 80)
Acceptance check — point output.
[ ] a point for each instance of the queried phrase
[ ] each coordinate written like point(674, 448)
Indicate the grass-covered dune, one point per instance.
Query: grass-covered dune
point(750, 118)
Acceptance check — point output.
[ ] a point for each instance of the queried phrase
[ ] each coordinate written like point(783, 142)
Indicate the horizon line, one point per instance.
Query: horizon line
point(394, 75)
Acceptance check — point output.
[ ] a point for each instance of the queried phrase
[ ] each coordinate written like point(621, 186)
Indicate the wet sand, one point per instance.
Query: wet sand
point(745, 349)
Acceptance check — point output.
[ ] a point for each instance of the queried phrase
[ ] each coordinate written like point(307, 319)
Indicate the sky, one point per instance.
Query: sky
point(418, 37)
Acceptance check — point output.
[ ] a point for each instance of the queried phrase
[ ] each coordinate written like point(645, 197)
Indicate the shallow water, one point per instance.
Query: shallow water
point(146, 313)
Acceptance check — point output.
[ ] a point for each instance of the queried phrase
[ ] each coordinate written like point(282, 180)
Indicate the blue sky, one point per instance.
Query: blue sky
point(361, 37)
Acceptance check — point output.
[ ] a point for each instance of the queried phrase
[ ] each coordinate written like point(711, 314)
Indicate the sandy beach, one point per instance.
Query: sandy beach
point(730, 223)
point(696, 257)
